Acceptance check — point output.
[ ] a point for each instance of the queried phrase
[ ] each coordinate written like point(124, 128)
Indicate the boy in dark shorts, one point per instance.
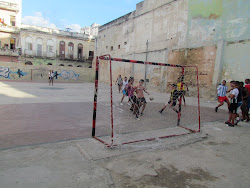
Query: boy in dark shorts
point(233, 105)
point(244, 106)
point(173, 99)
point(181, 89)
point(141, 101)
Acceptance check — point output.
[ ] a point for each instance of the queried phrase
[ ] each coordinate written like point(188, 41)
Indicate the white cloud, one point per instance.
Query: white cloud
point(38, 20)
point(74, 27)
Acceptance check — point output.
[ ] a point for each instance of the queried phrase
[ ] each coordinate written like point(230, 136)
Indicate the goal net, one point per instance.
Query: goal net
point(160, 101)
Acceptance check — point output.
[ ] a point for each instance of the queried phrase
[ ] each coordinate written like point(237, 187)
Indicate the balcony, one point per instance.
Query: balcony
point(8, 52)
point(9, 6)
point(51, 55)
point(40, 54)
point(70, 57)
point(8, 29)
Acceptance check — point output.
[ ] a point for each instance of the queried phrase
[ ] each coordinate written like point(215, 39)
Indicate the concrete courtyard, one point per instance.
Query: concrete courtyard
point(45, 141)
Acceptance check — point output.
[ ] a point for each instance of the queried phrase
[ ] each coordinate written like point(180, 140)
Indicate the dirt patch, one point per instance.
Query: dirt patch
point(167, 177)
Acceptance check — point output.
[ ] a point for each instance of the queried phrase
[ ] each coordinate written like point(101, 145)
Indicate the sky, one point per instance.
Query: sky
point(74, 14)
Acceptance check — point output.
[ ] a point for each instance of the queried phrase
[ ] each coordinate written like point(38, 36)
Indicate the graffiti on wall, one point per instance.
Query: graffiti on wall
point(69, 75)
point(6, 73)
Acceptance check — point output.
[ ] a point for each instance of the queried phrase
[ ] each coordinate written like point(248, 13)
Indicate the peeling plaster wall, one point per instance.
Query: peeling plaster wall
point(236, 61)
point(212, 20)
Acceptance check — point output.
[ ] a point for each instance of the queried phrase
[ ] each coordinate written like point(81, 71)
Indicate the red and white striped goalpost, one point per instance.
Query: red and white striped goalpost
point(108, 57)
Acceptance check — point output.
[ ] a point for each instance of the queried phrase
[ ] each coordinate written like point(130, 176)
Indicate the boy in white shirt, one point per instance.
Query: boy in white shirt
point(222, 95)
point(233, 104)
point(124, 83)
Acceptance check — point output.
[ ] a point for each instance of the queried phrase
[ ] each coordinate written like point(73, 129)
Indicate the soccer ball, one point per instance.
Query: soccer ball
point(151, 98)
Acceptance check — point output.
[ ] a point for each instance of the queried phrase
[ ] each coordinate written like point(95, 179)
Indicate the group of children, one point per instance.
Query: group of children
point(137, 99)
point(239, 97)
point(135, 95)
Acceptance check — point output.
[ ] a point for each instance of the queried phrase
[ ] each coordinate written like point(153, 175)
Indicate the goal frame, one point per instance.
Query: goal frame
point(108, 57)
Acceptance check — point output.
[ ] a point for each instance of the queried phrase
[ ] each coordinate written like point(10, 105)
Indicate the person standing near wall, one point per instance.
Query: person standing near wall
point(247, 82)
point(51, 77)
point(119, 82)
point(244, 106)
point(233, 105)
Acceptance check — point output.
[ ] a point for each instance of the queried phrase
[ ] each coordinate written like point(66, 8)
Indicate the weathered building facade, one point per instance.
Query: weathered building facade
point(10, 22)
point(211, 34)
point(46, 46)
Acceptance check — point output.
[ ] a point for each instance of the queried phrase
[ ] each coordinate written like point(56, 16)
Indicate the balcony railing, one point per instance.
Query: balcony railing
point(45, 54)
point(9, 6)
point(8, 29)
point(32, 53)
point(70, 57)
point(8, 52)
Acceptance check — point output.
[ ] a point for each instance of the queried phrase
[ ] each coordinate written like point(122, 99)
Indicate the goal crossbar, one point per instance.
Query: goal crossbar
point(110, 59)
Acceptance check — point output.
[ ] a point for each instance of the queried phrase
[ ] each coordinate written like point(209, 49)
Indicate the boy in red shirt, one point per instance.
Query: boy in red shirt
point(247, 82)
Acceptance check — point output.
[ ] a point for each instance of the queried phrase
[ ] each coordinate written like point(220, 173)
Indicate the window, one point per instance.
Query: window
point(70, 66)
point(61, 65)
point(71, 50)
point(49, 64)
point(119, 46)
point(29, 46)
point(50, 46)
point(111, 48)
point(125, 43)
point(12, 20)
point(79, 66)
point(28, 43)
point(50, 49)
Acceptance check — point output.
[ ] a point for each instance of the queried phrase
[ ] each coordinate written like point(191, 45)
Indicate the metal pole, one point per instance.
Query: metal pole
point(146, 66)
point(95, 96)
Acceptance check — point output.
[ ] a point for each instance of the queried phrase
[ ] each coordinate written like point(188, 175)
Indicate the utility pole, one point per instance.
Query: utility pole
point(146, 66)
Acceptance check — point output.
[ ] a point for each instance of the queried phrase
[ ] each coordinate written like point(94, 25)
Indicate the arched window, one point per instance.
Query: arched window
point(50, 46)
point(28, 63)
point(61, 65)
point(79, 66)
point(80, 51)
point(39, 47)
point(49, 64)
point(70, 66)
point(28, 44)
point(62, 50)
point(71, 50)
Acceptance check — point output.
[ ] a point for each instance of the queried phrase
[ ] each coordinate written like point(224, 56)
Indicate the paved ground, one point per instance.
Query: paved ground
point(34, 113)
point(28, 115)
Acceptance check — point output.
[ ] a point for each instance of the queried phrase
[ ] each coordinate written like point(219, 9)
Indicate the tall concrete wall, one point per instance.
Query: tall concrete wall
point(19, 72)
point(206, 33)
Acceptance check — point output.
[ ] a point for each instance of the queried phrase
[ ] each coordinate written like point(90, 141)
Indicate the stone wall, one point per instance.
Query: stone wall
point(20, 72)
point(206, 33)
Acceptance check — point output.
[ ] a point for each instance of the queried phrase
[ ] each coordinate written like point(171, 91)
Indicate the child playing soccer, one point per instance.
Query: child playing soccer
point(181, 89)
point(233, 105)
point(173, 99)
point(132, 98)
point(124, 83)
point(141, 101)
point(222, 95)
